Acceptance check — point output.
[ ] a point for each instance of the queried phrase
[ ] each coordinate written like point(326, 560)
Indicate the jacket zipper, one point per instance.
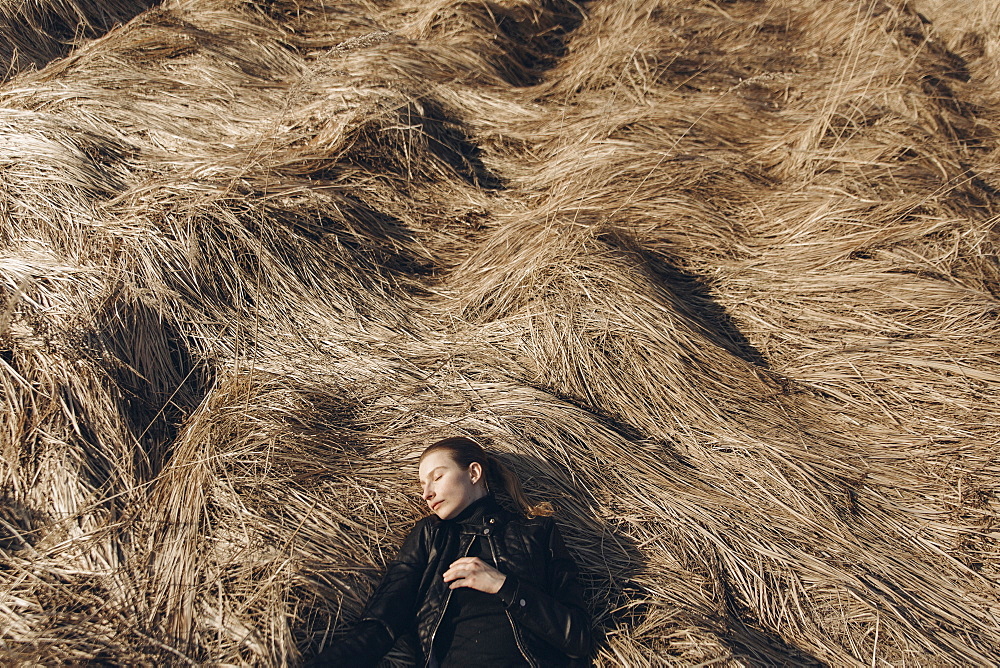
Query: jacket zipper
point(447, 598)
point(513, 626)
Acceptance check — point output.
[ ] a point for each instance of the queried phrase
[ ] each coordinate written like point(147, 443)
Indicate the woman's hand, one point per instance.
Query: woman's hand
point(475, 573)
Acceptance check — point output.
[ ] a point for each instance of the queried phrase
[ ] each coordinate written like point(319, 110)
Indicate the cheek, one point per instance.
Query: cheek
point(456, 490)
point(460, 491)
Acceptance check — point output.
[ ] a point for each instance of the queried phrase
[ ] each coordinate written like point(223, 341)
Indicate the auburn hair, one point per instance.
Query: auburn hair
point(464, 451)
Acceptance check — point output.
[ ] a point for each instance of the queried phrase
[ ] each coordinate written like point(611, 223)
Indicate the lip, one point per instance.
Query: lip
point(435, 505)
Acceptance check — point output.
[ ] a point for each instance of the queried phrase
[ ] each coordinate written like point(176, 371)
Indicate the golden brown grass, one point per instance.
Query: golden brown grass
point(719, 279)
point(37, 32)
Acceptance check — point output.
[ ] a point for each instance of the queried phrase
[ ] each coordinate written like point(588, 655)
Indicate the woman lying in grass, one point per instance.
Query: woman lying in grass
point(480, 585)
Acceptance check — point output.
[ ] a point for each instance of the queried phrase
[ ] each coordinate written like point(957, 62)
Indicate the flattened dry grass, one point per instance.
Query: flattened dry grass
point(720, 280)
point(36, 33)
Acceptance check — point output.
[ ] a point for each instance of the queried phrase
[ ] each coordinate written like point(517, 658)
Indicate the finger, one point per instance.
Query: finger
point(458, 580)
point(456, 573)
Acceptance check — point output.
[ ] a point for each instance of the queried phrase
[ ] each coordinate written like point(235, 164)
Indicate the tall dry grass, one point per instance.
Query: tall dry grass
point(720, 280)
point(36, 33)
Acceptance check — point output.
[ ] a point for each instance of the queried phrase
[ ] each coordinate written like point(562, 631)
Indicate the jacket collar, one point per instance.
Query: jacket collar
point(481, 517)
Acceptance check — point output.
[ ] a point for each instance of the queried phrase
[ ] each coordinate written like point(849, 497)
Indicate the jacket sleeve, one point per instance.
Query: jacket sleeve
point(390, 612)
point(556, 614)
point(364, 646)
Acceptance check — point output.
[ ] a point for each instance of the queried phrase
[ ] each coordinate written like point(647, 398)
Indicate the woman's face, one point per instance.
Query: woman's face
point(448, 489)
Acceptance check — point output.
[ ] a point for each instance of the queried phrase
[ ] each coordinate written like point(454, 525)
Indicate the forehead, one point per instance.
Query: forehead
point(435, 459)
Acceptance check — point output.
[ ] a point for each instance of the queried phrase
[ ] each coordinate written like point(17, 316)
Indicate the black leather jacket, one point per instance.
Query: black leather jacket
point(544, 601)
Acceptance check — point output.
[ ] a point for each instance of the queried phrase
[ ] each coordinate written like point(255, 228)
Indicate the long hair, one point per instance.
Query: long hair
point(464, 451)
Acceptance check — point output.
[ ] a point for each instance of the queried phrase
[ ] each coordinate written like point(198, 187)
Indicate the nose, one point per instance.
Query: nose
point(428, 493)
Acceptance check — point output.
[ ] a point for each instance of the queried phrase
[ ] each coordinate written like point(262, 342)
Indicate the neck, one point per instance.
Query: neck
point(474, 509)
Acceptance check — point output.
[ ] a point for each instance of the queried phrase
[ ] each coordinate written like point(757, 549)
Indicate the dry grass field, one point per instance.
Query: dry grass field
point(719, 278)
